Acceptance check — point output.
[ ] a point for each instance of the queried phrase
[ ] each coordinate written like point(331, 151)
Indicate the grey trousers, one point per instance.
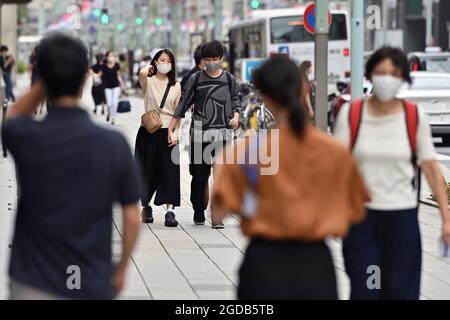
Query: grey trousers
point(19, 291)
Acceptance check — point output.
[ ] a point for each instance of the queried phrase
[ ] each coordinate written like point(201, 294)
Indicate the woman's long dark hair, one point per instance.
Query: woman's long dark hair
point(279, 79)
point(173, 73)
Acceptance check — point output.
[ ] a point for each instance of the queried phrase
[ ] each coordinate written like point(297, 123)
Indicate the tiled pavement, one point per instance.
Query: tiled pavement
point(192, 262)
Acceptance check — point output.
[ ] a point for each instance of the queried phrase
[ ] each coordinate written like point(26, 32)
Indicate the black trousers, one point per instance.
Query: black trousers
point(287, 270)
point(201, 160)
point(161, 173)
point(390, 241)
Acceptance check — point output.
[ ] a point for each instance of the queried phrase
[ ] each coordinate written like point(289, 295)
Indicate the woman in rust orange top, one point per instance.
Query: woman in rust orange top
point(309, 190)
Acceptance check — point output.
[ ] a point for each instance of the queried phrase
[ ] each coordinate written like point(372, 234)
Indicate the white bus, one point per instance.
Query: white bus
point(282, 31)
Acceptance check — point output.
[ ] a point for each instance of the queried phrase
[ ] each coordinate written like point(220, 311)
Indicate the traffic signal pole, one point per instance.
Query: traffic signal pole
point(321, 64)
point(357, 49)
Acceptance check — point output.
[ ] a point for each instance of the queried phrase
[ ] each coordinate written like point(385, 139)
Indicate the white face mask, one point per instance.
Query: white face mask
point(164, 68)
point(386, 87)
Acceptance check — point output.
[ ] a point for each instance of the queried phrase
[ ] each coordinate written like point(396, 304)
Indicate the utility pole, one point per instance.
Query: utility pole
point(41, 18)
point(357, 49)
point(174, 33)
point(429, 22)
point(385, 20)
point(218, 18)
point(321, 64)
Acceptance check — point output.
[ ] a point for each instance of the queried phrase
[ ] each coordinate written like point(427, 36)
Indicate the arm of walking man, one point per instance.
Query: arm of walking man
point(131, 223)
point(183, 106)
point(130, 188)
point(29, 102)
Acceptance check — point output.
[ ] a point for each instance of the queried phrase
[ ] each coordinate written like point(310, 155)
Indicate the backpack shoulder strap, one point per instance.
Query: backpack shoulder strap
point(196, 80)
point(230, 82)
point(355, 116)
point(412, 123)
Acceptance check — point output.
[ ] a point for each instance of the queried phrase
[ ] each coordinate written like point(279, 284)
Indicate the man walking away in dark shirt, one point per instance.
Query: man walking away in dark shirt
point(71, 171)
point(214, 94)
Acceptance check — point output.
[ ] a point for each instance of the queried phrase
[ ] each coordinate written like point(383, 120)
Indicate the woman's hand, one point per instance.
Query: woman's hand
point(235, 121)
point(151, 71)
point(172, 138)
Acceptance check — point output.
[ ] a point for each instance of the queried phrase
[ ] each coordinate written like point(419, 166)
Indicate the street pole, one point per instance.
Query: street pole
point(385, 20)
point(174, 39)
point(429, 22)
point(218, 17)
point(41, 18)
point(357, 49)
point(321, 64)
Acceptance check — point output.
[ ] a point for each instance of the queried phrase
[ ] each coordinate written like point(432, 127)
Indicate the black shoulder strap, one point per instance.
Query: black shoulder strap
point(196, 81)
point(230, 82)
point(166, 93)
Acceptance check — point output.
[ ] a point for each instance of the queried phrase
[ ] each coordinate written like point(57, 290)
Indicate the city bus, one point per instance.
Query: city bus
point(281, 31)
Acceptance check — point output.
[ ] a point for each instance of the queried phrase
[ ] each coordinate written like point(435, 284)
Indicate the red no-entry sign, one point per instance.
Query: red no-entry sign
point(309, 18)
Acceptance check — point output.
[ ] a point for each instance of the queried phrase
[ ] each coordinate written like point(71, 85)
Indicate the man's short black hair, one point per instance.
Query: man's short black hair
point(198, 55)
point(397, 56)
point(3, 48)
point(63, 62)
point(212, 49)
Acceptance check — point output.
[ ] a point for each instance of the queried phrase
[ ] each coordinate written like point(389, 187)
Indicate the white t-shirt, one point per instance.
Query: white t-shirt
point(383, 154)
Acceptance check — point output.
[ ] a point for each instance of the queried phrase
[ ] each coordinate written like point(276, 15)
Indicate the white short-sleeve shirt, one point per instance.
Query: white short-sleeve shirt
point(383, 154)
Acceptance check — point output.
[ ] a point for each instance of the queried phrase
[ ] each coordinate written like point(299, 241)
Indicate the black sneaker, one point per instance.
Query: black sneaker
point(147, 215)
point(170, 220)
point(108, 117)
point(199, 218)
point(218, 225)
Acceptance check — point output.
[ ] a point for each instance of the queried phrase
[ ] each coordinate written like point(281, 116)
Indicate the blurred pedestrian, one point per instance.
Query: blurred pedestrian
point(214, 94)
point(415, 64)
point(153, 152)
point(113, 83)
point(98, 88)
point(391, 141)
point(7, 63)
point(314, 192)
point(198, 66)
point(124, 67)
point(306, 74)
point(71, 171)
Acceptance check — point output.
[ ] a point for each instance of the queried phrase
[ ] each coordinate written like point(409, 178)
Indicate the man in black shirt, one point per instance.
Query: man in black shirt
point(71, 171)
point(214, 94)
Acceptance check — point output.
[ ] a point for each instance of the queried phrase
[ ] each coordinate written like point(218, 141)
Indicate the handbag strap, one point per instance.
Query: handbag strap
point(163, 102)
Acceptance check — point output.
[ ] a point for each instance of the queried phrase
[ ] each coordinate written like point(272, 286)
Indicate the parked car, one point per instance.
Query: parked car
point(431, 90)
point(431, 61)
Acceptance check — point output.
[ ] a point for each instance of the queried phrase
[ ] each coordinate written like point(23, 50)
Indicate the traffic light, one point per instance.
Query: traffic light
point(104, 19)
point(255, 4)
point(158, 22)
point(120, 27)
point(139, 21)
point(97, 12)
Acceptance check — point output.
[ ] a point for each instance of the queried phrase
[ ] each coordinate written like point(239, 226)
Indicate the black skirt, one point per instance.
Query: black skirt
point(98, 94)
point(161, 173)
point(287, 270)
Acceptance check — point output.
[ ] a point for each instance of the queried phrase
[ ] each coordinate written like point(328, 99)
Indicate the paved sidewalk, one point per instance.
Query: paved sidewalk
point(192, 262)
